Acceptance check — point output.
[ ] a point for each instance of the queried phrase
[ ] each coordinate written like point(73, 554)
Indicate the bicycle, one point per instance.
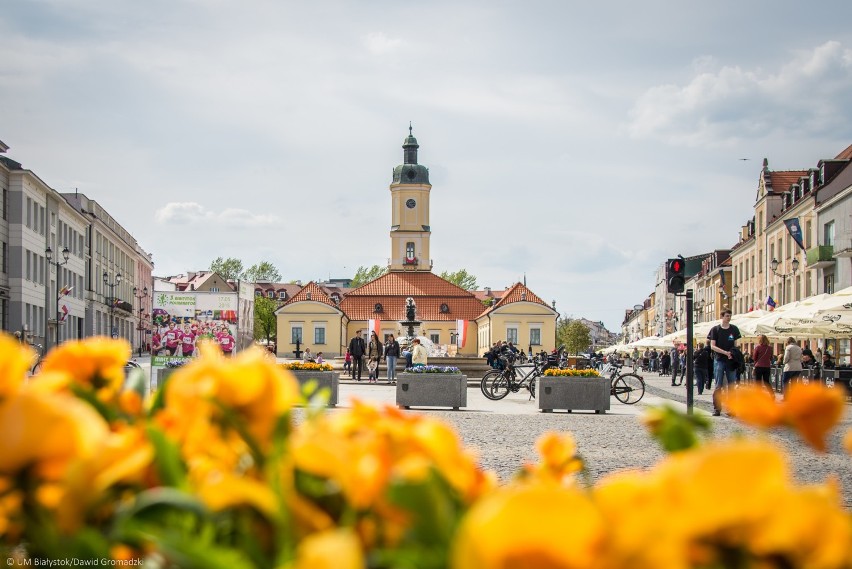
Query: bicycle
point(39, 357)
point(496, 384)
point(629, 388)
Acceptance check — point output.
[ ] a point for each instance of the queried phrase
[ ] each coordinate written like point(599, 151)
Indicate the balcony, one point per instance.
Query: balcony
point(820, 257)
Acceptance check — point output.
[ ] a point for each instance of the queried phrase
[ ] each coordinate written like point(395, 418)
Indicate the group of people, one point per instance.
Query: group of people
point(369, 354)
point(175, 341)
point(720, 361)
point(492, 356)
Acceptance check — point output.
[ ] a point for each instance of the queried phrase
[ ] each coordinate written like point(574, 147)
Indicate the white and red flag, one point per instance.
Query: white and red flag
point(461, 333)
point(374, 326)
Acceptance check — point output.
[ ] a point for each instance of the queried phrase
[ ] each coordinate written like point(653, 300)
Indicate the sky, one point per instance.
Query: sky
point(577, 145)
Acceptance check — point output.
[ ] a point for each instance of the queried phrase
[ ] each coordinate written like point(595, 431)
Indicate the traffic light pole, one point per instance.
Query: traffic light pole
point(690, 383)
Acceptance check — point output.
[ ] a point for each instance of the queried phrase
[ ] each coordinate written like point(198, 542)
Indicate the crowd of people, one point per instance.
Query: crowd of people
point(370, 354)
point(174, 340)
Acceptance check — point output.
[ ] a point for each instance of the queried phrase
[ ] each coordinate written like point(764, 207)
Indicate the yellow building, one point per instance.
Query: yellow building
point(443, 310)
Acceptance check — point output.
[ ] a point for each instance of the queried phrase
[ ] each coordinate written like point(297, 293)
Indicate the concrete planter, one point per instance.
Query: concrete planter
point(324, 379)
point(588, 393)
point(163, 374)
point(431, 390)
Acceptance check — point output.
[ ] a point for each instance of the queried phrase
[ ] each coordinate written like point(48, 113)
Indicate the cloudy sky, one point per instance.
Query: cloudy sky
point(579, 144)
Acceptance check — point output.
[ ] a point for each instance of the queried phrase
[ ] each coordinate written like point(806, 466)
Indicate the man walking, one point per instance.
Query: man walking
point(357, 348)
point(723, 339)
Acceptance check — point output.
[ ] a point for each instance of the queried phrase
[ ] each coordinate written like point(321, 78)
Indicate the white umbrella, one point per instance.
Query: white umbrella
point(651, 342)
point(821, 315)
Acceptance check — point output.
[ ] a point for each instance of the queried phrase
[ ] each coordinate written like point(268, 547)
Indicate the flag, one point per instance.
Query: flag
point(66, 290)
point(64, 313)
point(374, 326)
point(770, 303)
point(461, 333)
point(795, 231)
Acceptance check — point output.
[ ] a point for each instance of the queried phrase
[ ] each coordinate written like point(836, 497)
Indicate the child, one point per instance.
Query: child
point(347, 363)
point(319, 359)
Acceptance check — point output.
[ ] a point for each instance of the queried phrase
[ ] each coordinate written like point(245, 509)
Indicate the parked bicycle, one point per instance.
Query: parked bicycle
point(629, 388)
point(496, 384)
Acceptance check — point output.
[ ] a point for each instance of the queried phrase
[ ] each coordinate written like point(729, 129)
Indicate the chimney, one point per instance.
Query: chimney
point(488, 291)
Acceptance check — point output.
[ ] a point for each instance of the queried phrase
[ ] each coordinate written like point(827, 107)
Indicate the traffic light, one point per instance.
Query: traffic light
point(675, 275)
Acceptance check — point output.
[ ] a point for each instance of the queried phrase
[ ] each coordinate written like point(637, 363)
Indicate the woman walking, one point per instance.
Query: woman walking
point(792, 362)
point(762, 356)
point(391, 355)
point(374, 354)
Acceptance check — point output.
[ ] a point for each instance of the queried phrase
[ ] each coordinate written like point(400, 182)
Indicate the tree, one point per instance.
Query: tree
point(364, 275)
point(265, 322)
point(263, 271)
point(229, 269)
point(461, 278)
point(573, 334)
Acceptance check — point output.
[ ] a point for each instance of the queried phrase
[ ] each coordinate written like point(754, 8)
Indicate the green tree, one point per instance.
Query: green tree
point(263, 271)
point(265, 322)
point(228, 269)
point(574, 334)
point(461, 278)
point(364, 275)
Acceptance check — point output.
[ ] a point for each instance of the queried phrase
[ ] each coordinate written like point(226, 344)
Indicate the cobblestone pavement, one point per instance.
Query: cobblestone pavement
point(504, 433)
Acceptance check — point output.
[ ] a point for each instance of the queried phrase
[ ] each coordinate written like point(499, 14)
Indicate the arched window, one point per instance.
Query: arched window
point(409, 250)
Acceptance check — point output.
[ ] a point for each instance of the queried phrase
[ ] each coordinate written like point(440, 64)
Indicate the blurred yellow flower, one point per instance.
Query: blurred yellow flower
point(559, 460)
point(10, 507)
point(46, 431)
point(536, 526)
point(813, 410)
point(15, 361)
point(754, 405)
point(847, 441)
point(96, 363)
point(333, 549)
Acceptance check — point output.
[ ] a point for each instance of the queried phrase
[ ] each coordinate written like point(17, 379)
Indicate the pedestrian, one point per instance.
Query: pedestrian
point(762, 356)
point(357, 348)
point(674, 356)
point(347, 363)
point(391, 354)
point(418, 354)
point(319, 359)
point(723, 339)
point(374, 355)
point(187, 342)
point(700, 362)
point(792, 363)
point(172, 339)
point(308, 357)
point(227, 342)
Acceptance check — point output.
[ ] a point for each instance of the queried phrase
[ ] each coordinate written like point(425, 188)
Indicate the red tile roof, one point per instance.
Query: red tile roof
point(846, 154)
point(316, 293)
point(781, 180)
point(518, 292)
point(428, 290)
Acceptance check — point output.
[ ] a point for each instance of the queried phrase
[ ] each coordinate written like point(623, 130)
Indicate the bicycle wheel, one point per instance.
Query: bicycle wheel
point(531, 387)
point(37, 367)
point(500, 388)
point(629, 388)
point(487, 383)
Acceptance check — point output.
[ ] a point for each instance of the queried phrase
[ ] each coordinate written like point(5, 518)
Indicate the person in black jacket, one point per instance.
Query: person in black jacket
point(392, 352)
point(702, 363)
point(357, 348)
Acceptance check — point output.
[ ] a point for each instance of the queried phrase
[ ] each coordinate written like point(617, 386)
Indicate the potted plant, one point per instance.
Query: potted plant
point(571, 389)
point(431, 386)
point(318, 376)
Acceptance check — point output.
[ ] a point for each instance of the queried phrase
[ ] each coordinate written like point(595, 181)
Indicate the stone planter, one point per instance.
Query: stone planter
point(163, 374)
point(588, 393)
point(323, 379)
point(431, 390)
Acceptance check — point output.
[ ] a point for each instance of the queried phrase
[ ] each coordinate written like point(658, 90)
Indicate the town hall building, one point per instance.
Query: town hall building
point(455, 320)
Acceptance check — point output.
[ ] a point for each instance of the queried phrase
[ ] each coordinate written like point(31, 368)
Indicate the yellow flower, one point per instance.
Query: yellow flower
point(536, 526)
point(222, 490)
point(559, 461)
point(754, 405)
point(813, 410)
point(15, 361)
point(333, 549)
point(10, 507)
point(96, 363)
point(46, 431)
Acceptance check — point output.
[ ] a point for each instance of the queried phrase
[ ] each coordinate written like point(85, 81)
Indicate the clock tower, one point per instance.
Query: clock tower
point(410, 212)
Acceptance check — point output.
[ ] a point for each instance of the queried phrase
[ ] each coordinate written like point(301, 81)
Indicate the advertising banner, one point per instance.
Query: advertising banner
point(183, 319)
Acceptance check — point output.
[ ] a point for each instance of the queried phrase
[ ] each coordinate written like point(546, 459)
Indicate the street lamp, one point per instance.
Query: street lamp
point(774, 266)
point(48, 253)
point(698, 309)
point(140, 298)
point(734, 290)
point(112, 286)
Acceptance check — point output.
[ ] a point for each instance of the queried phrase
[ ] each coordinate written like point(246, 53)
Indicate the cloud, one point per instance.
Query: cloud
point(378, 43)
point(189, 213)
point(804, 97)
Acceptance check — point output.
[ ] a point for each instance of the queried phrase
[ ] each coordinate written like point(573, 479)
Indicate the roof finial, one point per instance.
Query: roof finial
point(409, 129)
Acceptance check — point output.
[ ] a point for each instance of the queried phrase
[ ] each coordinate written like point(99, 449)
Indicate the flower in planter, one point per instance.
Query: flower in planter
point(307, 366)
point(433, 369)
point(553, 372)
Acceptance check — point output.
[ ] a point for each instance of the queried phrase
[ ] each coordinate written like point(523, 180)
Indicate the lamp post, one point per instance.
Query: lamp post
point(774, 266)
point(698, 309)
point(140, 298)
point(48, 253)
point(112, 285)
point(734, 290)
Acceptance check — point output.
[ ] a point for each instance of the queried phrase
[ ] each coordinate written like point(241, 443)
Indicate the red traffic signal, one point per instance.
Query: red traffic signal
point(675, 275)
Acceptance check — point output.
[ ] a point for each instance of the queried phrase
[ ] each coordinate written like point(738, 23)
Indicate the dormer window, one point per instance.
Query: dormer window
point(445, 309)
point(378, 308)
point(282, 295)
point(270, 294)
point(821, 174)
point(308, 295)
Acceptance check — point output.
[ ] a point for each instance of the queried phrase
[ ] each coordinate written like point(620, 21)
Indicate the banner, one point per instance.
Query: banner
point(461, 333)
point(374, 326)
point(795, 231)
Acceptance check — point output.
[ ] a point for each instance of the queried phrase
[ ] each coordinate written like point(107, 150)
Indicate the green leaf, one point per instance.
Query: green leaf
point(167, 459)
point(435, 508)
point(675, 430)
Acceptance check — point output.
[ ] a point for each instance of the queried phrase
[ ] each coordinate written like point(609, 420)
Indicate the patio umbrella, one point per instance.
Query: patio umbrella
point(822, 315)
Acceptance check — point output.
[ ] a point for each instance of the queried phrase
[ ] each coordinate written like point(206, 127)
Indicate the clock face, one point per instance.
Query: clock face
point(410, 204)
point(412, 173)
